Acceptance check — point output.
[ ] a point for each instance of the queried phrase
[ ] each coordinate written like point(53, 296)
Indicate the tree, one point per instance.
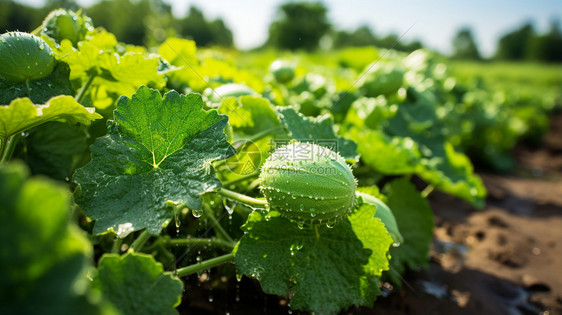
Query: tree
point(362, 36)
point(513, 45)
point(464, 46)
point(203, 32)
point(547, 47)
point(299, 25)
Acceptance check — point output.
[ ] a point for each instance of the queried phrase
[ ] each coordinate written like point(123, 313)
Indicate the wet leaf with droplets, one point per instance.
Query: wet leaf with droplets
point(137, 284)
point(157, 149)
point(325, 273)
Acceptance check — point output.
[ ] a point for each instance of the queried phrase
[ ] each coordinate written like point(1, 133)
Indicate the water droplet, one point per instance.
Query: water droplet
point(197, 213)
point(300, 225)
point(293, 196)
point(330, 225)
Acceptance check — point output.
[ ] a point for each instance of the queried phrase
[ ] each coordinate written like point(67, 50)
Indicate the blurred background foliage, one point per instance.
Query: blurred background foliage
point(296, 26)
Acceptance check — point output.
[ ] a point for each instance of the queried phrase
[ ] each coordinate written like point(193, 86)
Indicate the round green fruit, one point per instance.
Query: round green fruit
point(283, 71)
point(62, 24)
point(308, 183)
point(24, 57)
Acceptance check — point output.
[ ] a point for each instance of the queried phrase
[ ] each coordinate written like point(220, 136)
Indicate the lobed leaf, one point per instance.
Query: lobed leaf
point(157, 150)
point(324, 273)
point(415, 221)
point(22, 114)
point(320, 130)
point(136, 284)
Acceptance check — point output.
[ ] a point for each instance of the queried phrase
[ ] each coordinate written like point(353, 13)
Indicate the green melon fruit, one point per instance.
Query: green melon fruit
point(283, 71)
point(62, 24)
point(24, 57)
point(308, 183)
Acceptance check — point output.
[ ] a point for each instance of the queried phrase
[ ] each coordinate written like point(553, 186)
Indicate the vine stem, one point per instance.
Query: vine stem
point(204, 265)
point(7, 148)
point(140, 241)
point(80, 96)
point(252, 202)
point(216, 224)
point(427, 190)
point(116, 248)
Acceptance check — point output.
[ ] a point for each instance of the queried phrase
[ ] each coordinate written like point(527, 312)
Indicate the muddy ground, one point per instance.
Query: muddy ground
point(506, 259)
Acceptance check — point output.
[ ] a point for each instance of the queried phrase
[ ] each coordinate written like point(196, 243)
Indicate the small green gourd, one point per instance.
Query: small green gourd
point(308, 183)
point(24, 57)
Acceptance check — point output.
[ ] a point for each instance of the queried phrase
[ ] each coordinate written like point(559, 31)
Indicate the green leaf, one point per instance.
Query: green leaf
point(39, 91)
point(249, 115)
point(385, 154)
point(117, 70)
point(325, 274)
point(415, 221)
point(320, 130)
point(137, 284)
point(370, 196)
point(157, 150)
point(22, 114)
point(43, 258)
point(452, 172)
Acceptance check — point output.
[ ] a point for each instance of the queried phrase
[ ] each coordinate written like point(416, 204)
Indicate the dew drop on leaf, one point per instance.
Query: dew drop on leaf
point(197, 213)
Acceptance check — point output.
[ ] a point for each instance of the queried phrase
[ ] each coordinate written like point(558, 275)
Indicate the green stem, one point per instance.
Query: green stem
point(219, 230)
point(199, 242)
point(427, 190)
point(252, 202)
point(28, 88)
point(204, 265)
point(240, 179)
point(80, 96)
point(116, 248)
point(139, 242)
point(8, 147)
point(3, 146)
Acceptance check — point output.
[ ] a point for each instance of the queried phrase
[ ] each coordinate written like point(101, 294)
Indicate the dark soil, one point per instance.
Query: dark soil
point(505, 259)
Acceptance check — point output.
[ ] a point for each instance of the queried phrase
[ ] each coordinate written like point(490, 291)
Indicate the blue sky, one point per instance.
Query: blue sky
point(435, 22)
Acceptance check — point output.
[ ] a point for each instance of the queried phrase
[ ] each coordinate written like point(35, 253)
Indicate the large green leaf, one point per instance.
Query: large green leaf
point(53, 149)
point(136, 284)
point(39, 91)
point(43, 257)
point(415, 221)
point(320, 130)
point(157, 149)
point(324, 273)
point(22, 114)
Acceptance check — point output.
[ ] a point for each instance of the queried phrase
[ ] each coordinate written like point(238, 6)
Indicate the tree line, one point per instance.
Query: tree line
point(297, 25)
